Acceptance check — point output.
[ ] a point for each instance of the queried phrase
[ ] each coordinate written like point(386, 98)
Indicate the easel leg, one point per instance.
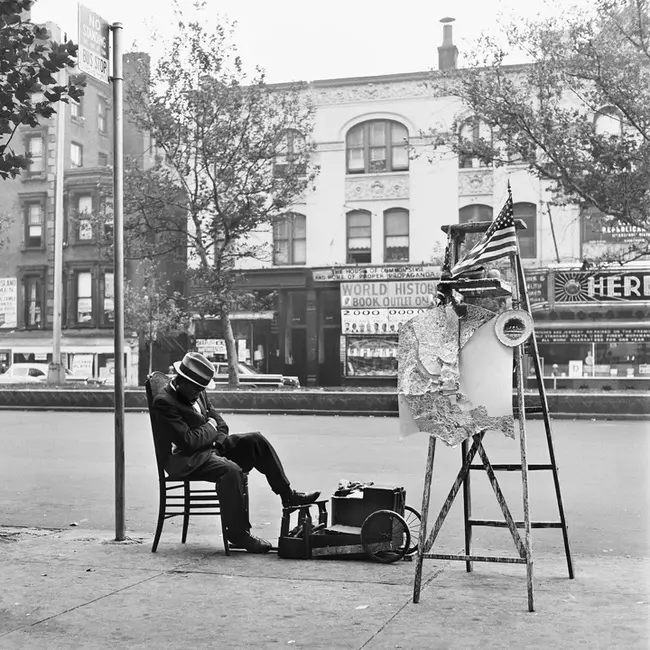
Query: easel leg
point(524, 475)
point(547, 420)
point(467, 507)
point(426, 497)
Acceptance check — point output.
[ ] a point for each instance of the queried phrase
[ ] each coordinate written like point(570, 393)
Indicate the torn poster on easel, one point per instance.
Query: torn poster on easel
point(454, 375)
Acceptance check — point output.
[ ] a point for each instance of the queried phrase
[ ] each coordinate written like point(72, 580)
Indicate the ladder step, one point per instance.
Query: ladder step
point(520, 524)
point(513, 467)
point(475, 558)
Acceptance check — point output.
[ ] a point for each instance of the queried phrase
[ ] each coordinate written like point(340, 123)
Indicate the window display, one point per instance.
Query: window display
point(374, 356)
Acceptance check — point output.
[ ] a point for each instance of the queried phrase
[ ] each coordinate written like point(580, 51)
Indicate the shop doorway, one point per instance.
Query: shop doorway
point(330, 367)
point(297, 357)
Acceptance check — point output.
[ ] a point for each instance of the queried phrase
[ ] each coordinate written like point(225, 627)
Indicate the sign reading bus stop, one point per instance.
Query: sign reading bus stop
point(93, 44)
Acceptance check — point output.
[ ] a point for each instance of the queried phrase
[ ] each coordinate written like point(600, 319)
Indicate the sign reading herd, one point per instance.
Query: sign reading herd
point(601, 286)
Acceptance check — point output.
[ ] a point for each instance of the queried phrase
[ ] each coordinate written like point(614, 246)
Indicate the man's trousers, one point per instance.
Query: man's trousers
point(242, 452)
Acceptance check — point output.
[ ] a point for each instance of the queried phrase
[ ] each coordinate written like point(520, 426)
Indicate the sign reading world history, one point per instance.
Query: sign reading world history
point(382, 307)
point(575, 287)
point(93, 44)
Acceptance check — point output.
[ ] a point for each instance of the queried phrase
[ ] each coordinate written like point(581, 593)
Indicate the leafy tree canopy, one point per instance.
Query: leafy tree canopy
point(29, 63)
point(220, 135)
point(578, 115)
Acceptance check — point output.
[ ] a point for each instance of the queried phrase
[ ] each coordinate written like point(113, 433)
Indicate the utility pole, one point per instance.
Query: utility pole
point(55, 373)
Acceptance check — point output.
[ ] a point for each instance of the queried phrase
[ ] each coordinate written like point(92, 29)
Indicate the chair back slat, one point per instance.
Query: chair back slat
point(155, 384)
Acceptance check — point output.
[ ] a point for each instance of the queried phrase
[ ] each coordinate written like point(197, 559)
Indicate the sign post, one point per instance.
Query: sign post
point(118, 275)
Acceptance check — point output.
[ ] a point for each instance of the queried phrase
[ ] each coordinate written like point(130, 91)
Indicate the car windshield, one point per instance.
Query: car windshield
point(246, 369)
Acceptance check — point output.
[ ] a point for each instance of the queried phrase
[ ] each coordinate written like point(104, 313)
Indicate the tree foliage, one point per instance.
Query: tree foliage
point(218, 133)
point(29, 63)
point(151, 309)
point(578, 115)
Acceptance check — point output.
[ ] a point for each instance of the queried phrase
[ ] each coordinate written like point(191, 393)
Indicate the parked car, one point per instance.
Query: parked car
point(249, 376)
point(36, 373)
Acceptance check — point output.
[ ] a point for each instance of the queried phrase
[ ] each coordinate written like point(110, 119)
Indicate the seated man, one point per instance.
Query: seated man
point(202, 449)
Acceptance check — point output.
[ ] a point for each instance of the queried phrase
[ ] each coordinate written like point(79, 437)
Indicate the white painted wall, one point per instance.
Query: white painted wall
point(434, 196)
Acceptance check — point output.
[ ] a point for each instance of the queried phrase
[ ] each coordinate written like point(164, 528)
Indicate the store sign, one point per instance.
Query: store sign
point(375, 321)
point(211, 346)
point(597, 227)
point(571, 287)
point(537, 285)
point(593, 335)
point(381, 272)
point(82, 364)
point(414, 294)
point(8, 302)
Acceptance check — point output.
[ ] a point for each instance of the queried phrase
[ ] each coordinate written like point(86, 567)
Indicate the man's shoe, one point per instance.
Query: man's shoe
point(251, 544)
point(299, 499)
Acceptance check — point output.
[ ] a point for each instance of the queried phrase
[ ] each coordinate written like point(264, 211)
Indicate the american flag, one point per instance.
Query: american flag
point(499, 240)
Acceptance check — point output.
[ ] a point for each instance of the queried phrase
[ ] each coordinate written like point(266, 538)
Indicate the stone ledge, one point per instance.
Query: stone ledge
point(602, 405)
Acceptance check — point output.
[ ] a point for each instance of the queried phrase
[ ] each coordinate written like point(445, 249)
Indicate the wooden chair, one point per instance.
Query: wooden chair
point(177, 497)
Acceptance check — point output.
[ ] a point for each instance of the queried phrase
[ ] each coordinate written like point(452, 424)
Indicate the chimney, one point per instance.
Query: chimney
point(448, 52)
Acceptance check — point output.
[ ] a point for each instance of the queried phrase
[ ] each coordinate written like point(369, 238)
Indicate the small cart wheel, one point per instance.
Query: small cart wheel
point(385, 537)
point(413, 520)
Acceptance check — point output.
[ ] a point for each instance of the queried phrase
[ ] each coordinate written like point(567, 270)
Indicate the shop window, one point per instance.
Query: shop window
point(32, 301)
point(289, 150)
point(358, 237)
point(84, 298)
point(290, 240)
point(471, 134)
point(84, 227)
point(527, 212)
point(377, 146)
point(76, 155)
point(396, 235)
point(472, 214)
point(102, 121)
point(374, 356)
point(108, 290)
point(34, 224)
point(35, 150)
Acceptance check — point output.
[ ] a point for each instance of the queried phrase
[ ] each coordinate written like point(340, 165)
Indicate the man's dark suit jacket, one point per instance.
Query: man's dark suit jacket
point(185, 433)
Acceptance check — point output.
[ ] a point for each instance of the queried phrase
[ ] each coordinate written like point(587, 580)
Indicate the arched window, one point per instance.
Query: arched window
point(358, 237)
point(396, 235)
point(607, 121)
point(290, 147)
point(527, 212)
point(471, 132)
point(471, 214)
point(377, 146)
point(290, 239)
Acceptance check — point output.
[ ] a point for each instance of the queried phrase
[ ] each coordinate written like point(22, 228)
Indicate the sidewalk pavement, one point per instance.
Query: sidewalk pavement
point(77, 588)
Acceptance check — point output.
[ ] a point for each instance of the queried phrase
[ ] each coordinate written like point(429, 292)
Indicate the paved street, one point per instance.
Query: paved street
point(75, 588)
point(58, 468)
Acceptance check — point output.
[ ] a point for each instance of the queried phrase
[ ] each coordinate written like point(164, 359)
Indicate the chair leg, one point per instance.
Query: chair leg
point(186, 510)
point(226, 543)
point(162, 505)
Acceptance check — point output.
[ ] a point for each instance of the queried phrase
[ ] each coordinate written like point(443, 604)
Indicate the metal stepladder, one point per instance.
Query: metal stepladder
point(455, 291)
